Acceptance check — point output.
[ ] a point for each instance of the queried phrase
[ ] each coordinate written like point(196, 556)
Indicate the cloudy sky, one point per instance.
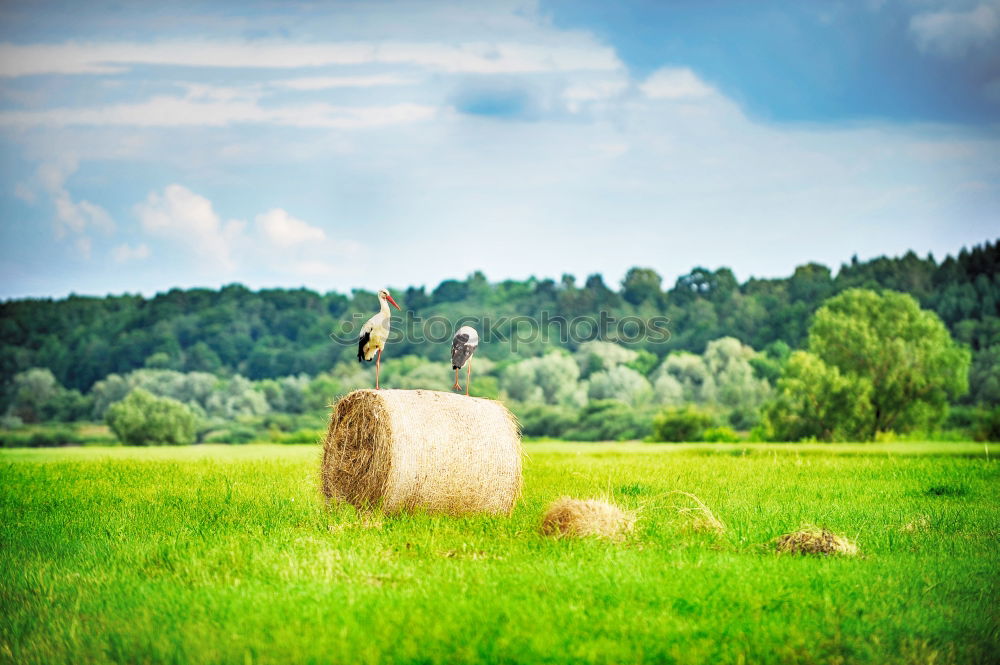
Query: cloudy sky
point(359, 144)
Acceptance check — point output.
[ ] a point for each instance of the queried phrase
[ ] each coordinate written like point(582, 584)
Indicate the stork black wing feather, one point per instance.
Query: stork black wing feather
point(459, 351)
point(361, 345)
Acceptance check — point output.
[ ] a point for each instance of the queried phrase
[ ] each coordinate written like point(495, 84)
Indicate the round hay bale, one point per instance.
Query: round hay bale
point(814, 540)
point(405, 449)
point(567, 516)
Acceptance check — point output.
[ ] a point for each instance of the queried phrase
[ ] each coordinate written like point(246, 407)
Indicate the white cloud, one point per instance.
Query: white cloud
point(611, 149)
point(189, 111)
point(215, 93)
point(503, 58)
point(299, 248)
point(116, 57)
point(125, 252)
point(78, 216)
point(25, 192)
point(954, 33)
point(280, 228)
point(650, 172)
point(75, 217)
point(599, 89)
point(315, 269)
point(52, 175)
point(190, 220)
point(581, 92)
point(84, 245)
point(476, 57)
point(399, 79)
point(329, 82)
point(676, 84)
point(277, 243)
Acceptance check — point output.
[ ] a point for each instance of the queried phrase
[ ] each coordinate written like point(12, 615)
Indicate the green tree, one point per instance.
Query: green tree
point(691, 372)
point(984, 376)
point(767, 364)
point(904, 352)
point(644, 362)
point(142, 419)
point(737, 388)
point(678, 424)
point(641, 284)
point(428, 376)
point(286, 394)
point(201, 358)
point(322, 392)
point(518, 383)
point(602, 420)
point(816, 401)
point(551, 379)
point(811, 282)
point(236, 398)
point(546, 420)
point(596, 356)
point(68, 406)
point(273, 333)
point(668, 390)
point(34, 391)
point(621, 383)
point(450, 290)
point(485, 386)
point(876, 362)
point(112, 388)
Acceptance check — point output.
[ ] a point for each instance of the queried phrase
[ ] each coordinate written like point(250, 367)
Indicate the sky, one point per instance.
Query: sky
point(341, 145)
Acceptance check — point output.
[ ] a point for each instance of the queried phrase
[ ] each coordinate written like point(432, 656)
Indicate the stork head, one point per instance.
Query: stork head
point(385, 295)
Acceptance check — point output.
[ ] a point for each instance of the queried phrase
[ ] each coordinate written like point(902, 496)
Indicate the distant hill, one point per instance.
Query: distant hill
point(278, 332)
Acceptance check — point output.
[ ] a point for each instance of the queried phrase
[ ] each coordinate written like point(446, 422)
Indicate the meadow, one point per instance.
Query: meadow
point(227, 554)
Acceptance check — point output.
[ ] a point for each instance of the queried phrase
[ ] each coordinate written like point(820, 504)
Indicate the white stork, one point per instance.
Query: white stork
point(375, 333)
point(462, 347)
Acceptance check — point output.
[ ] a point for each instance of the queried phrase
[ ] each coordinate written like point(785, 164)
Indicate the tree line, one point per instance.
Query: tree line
point(730, 346)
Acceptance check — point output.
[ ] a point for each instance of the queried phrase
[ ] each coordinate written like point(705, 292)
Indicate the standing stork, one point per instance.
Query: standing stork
point(375, 333)
point(462, 347)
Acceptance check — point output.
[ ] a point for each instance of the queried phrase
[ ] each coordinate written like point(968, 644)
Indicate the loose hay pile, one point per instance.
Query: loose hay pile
point(813, 540)
point(406, 449)
point(586, 517)
point(701, 516)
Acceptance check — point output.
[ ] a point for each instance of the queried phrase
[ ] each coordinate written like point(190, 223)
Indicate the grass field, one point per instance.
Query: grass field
point(215, 554)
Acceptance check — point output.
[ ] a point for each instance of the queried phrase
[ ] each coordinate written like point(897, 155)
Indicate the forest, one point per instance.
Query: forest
point(585, 362)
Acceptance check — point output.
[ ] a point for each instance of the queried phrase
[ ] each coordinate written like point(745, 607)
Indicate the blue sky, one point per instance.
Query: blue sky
point(343, 145)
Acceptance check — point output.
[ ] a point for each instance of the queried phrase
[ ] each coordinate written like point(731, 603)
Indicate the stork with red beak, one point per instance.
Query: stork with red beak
point(375, 333)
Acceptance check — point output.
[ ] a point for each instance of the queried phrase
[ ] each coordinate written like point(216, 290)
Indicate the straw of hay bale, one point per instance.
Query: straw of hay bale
point(567, 516)
point(406, 449)
point(814, 540)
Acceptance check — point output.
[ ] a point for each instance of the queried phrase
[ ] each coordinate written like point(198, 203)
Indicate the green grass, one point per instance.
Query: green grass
point(218, 554)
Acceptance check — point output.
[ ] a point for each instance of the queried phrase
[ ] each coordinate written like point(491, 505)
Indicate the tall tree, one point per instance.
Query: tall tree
point(640, 285)
point(816, 401)
point(142, 419)
point(903, 364)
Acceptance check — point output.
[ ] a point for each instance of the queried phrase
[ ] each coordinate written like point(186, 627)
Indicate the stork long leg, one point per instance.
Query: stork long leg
point(378, 360)
point(456, 386)
point(468, 379)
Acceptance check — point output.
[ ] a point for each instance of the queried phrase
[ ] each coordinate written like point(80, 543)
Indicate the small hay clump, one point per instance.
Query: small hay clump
point(919, 523)
point(701, 516)
point(404, 450)
point(567, 516)
point(815, 540)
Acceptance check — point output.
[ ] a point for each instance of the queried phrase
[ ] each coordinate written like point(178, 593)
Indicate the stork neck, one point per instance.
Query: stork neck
point(384, 307)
